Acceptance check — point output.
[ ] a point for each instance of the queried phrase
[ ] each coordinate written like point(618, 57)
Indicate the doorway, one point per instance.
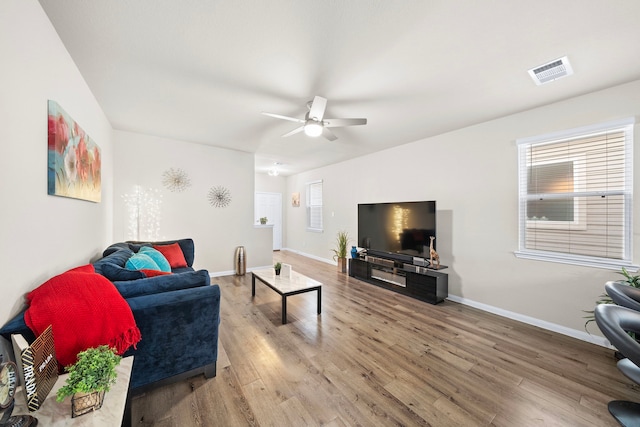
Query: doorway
point(270, 205)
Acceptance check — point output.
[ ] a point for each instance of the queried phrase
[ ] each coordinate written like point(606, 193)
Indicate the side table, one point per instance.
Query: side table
point(53, 413)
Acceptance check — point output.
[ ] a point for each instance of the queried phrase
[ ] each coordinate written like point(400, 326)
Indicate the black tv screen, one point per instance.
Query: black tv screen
point(403, 227)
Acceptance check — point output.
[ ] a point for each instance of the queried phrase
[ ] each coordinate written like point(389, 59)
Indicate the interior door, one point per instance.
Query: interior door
point(270, 205)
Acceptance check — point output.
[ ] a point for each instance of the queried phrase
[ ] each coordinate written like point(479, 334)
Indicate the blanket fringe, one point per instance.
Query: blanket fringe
point(127, 339)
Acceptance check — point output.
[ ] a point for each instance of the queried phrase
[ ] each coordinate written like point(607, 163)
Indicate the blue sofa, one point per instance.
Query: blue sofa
point(177, 314)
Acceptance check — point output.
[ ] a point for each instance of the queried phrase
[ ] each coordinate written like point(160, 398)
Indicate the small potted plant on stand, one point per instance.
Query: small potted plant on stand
point(277, 267)
point(89, 378)
point(340, 253)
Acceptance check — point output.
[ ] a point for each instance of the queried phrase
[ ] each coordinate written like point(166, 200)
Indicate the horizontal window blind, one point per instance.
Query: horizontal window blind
point(314, 206)
point(575, 191)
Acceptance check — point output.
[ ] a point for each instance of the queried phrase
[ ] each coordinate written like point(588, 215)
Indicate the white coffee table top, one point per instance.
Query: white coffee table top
point(286, 284)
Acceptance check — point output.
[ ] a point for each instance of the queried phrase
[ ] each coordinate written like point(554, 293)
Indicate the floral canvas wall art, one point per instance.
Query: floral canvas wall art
point(74, 158)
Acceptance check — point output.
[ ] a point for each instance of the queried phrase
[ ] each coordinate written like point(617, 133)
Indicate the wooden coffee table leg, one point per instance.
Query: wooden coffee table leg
point(284, 310)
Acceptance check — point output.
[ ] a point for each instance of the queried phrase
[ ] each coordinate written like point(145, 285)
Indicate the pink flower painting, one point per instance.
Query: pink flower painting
point(74, 159)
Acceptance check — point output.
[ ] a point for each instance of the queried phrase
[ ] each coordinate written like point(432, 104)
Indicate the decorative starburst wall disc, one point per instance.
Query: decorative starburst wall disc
point(219, 197)
point(175, 180)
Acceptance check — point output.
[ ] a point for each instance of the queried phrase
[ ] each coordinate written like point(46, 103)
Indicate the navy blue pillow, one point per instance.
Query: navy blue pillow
point(115, 273)
point(118, 257)
point(115, 248)
point(112, 266)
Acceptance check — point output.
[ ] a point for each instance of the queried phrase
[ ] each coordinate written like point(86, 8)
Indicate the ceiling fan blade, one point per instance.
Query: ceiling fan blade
point(278, 116)
point(318, 106)
point(328, 134)
point(333, 123)
point(293, 132)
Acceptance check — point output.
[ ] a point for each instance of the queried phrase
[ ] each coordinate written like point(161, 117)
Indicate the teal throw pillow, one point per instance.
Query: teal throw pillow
point(157, 257)
point(141, 262)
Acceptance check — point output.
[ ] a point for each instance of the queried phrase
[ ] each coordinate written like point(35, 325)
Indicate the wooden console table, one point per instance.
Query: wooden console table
point(53, 413)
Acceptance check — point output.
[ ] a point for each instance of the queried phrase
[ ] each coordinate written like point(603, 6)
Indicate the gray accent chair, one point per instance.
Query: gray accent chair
point(623, 294)
point(615, 321)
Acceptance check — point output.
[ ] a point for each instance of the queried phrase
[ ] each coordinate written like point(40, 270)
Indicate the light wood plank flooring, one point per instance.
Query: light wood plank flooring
point(376, 358)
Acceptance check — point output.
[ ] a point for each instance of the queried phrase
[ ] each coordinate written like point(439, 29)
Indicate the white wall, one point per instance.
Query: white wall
point(42, 235)
point(271, 184)
point(141, 160)
point(472, 174)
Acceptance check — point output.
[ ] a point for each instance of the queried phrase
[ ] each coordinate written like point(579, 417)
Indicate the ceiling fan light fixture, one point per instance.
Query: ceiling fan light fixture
point(274, 170)
point(314, 123)
point(312, 128)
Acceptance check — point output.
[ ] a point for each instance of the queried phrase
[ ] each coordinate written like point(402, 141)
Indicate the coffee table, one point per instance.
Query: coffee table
point(293, 284)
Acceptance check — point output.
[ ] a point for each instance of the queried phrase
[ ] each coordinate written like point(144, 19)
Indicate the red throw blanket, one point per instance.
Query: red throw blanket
point(85, 310)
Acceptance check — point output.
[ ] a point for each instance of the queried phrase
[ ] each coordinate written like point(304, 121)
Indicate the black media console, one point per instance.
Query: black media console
point(403, 274)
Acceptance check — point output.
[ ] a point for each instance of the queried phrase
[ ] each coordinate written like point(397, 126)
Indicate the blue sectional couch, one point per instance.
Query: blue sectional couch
point(178, 316)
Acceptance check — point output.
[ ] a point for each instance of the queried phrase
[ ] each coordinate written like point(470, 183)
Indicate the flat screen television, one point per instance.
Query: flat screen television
point(401, 228)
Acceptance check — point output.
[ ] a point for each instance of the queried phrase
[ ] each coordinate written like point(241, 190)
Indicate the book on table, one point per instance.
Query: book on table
point(37, 366)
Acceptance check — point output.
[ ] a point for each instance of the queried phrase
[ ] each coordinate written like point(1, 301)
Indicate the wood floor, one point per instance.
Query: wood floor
point(376, 358)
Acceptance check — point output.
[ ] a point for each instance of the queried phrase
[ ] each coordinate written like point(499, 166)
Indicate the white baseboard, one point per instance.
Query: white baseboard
point(221, 273)
point(317, 258)
point(574, 333)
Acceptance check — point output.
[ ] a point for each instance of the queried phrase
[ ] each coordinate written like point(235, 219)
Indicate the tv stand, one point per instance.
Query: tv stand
point(402, 274)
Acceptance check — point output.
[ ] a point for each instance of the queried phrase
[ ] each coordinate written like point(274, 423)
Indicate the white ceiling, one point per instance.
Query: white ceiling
point(204, 70)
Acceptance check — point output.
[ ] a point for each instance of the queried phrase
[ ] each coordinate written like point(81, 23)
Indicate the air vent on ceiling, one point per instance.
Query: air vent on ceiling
point(551, 71)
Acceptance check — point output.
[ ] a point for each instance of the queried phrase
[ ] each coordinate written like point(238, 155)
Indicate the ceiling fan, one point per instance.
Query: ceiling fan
point(314, 124)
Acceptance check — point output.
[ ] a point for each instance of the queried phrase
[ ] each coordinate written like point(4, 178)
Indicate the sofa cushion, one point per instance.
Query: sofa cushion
point(115, 248)
point(164, 283)
point(141, 262)
point(157, 257)
point(182, 270)
point(118, 257)
point(112, 266)
point(114, 273)
point(17, 325)
point(173, 253)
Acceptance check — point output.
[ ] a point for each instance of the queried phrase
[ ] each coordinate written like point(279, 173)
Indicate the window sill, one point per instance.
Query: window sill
point(585, 261)
point(315, 230)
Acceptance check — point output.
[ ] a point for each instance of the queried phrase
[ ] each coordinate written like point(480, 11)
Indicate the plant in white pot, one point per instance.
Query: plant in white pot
point(89, 378)
point(340, 252)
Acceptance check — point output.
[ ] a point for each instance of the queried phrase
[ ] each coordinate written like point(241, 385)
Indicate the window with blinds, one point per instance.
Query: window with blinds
point(575, 194)
point(314, 206)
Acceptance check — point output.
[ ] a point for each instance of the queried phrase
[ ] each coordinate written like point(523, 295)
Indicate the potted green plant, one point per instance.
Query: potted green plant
point(340, 252)
point(263, 220)
point(277, 267)
point(89, 378)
